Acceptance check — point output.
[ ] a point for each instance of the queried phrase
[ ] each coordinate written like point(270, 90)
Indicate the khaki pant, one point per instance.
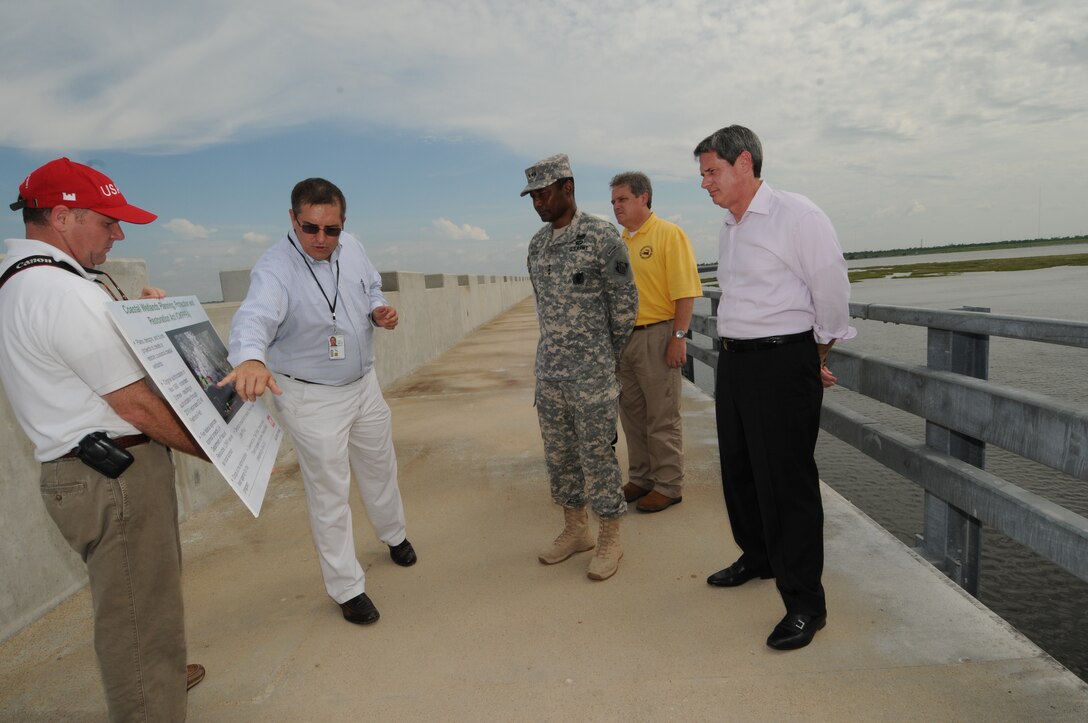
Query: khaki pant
point(126, 531)
point(650, 411)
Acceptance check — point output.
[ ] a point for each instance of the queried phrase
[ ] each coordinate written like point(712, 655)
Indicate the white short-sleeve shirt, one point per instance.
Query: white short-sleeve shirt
point(60, 353)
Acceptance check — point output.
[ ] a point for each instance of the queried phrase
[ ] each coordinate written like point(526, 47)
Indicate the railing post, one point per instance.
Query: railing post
point(716, 342)
point(950, 537)
point(688, 368)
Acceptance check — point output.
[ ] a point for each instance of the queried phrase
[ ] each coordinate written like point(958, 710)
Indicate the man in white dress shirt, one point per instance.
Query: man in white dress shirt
point(785, 302)
point(305, 331)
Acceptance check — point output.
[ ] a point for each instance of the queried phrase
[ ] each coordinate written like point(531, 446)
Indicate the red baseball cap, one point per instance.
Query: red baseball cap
point(65, 183)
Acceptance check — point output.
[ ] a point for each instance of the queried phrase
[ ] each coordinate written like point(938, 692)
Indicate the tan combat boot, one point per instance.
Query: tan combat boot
point(606, 560)
point(574, 537)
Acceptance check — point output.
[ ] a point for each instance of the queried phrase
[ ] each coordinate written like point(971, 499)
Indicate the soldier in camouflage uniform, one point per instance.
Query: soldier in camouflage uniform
point(586, 304)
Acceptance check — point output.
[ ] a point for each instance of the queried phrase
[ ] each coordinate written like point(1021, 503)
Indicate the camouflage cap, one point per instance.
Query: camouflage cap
point(546, 172)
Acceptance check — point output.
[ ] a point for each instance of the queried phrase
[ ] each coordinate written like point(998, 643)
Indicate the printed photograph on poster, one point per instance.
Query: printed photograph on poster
point(203, 352)
point(185, 358)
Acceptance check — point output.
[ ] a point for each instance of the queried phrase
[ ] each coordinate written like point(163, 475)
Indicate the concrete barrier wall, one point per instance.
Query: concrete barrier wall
point(38, 568)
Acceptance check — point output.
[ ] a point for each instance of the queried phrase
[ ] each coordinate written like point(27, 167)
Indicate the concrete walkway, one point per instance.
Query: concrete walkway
point(479, 630)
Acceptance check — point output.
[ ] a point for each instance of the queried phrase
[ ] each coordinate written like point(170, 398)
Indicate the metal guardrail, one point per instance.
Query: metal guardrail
point(963, 413)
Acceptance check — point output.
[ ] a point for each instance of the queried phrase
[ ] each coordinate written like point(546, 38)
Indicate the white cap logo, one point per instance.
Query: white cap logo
point(68, 196)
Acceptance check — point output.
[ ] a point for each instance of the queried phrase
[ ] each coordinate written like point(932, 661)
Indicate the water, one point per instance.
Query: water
point(1037, 597)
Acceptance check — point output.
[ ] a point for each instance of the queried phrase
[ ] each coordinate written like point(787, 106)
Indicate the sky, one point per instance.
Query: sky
point(911, 123)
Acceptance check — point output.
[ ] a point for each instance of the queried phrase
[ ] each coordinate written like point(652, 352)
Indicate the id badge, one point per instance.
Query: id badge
point(336, 346)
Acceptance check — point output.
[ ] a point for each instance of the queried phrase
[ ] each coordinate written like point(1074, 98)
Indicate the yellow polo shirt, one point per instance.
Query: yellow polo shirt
point(664, 268)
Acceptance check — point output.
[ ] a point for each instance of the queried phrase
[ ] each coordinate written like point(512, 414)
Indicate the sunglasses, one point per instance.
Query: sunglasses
point(313, 228)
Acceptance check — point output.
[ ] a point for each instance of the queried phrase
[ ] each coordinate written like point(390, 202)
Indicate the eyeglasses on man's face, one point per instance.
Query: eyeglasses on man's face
point(313, 228)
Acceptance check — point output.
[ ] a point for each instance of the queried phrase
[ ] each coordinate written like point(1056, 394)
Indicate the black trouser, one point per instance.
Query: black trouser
point(767, 404)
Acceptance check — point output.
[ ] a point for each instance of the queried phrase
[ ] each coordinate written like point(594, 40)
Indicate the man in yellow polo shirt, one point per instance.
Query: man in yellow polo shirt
point(649, 370)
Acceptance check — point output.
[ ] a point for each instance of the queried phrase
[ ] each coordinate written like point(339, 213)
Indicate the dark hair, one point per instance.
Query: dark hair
point(36, 216)
point(730, 142)
point(638, 182)
point(317, 192)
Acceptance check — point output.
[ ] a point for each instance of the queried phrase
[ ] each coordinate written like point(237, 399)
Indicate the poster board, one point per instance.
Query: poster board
point(185, 358)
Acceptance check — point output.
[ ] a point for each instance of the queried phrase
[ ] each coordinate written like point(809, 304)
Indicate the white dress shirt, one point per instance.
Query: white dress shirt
point(781, 271)
point(285, 320)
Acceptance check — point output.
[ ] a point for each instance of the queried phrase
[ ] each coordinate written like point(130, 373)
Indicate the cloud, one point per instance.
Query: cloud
point(256, 239)
point(861, 105)
point(449, 230)
point(807, 75)
point(187, 229)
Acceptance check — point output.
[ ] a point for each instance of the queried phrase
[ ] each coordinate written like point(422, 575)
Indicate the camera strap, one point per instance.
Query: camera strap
point(31, 262)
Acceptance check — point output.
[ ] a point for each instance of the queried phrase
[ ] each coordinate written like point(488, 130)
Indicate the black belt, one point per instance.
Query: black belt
point(321, 384)
point(647, 326)
point(132, 440)
point(304, 381)
point(767, 342)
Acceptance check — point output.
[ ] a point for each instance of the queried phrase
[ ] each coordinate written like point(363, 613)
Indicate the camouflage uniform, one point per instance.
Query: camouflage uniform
point(586, 304)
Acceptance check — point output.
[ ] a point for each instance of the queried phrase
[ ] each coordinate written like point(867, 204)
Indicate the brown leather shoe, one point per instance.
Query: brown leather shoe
point(632, 492)
point(194, 673)
point(655, 502)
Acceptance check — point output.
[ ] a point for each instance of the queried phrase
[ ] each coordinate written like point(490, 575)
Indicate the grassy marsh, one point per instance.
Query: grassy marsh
point(947, 268)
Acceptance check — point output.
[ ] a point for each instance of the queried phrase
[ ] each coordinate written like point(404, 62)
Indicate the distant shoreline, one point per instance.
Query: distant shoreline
point(953, 248)
point(708, 268)
point(948, 268)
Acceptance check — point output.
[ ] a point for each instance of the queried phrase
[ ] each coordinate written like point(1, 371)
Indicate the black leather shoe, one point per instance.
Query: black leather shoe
point(795, 631)
point(360, 610)
point(403, 554)
point(734, 575)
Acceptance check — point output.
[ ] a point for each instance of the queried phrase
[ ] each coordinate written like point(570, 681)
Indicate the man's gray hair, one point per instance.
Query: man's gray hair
point(638, 182)
point(730, 142)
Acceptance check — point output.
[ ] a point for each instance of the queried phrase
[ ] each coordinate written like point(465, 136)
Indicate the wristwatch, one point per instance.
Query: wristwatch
point(680, 333)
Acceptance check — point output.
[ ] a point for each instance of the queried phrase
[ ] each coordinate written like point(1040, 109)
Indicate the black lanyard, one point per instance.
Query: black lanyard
point(306, 263)
point(102, 283)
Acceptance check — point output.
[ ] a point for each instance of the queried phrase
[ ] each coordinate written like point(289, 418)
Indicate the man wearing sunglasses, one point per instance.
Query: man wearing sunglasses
point(305, 331)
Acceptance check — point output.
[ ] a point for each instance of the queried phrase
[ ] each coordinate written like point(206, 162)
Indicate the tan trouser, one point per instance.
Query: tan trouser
point(126, 530)
point(650, 411)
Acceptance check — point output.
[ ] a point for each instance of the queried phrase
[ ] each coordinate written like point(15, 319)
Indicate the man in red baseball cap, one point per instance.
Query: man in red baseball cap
point(100, 433)
point(64, 183)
